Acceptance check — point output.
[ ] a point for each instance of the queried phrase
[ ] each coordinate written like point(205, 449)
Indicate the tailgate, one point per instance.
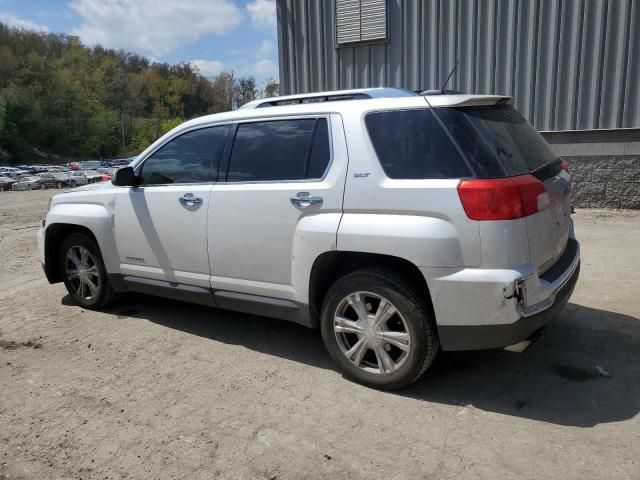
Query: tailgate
point(548, 230)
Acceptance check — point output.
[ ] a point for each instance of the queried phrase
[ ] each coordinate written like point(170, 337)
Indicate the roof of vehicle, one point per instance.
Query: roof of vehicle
point(350, 106)
point(379, 99)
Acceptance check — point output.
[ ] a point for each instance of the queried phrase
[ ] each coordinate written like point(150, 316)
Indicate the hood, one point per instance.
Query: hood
point(92, 186)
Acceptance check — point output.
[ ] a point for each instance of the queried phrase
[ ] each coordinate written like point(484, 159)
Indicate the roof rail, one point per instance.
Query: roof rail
point(331, 96)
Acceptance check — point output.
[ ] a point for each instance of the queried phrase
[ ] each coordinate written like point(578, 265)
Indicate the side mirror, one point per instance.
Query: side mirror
point(125, 177)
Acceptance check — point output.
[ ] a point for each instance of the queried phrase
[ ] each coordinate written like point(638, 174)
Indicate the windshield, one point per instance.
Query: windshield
point(496, 140)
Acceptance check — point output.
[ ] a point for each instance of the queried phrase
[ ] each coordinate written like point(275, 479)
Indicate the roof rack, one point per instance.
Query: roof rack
point(439, 92)
point(333, 96)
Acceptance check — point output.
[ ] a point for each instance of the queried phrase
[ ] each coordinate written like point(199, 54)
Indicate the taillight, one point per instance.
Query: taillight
point(503, 198)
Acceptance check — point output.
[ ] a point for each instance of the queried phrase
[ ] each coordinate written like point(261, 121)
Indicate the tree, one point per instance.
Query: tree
point(245, 91)
point(60, 97)
point(271, 88)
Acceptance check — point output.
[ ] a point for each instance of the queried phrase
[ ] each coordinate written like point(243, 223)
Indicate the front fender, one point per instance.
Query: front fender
point(94, 217)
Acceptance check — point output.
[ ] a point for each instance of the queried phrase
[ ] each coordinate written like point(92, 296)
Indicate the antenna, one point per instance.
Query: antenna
point(449, 77)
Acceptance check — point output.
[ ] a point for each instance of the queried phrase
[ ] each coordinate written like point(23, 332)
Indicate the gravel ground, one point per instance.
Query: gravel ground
point(160, 389)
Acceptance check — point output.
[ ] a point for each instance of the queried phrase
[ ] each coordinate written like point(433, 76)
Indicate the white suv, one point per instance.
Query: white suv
point(400, 224)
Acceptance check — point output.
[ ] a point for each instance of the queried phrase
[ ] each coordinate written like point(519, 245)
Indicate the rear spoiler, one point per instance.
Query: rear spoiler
point(467, 100)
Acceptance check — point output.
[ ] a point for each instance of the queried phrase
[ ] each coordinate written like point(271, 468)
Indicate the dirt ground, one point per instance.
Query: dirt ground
point(159, 389)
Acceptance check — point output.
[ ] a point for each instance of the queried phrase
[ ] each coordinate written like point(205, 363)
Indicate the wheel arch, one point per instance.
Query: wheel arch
point(54, 236)
point(331, 266)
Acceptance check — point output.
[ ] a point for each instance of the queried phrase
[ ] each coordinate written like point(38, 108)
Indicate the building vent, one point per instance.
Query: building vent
point(360, 21)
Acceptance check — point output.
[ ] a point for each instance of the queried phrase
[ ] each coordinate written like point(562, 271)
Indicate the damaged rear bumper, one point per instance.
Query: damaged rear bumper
point(480, 337)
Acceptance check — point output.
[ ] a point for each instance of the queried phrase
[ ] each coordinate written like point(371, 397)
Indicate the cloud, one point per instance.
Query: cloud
point(10, 19)
point(265, 49)
point(262, 13)
point(265, 68)
point(153, 27)
point(208, 68)
point(262, 70)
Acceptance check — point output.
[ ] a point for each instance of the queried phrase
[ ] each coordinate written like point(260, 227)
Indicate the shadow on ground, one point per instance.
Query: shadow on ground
point(556, 380)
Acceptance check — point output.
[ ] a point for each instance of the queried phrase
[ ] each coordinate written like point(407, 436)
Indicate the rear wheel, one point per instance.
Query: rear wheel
point(84, 273)
point(378, 329)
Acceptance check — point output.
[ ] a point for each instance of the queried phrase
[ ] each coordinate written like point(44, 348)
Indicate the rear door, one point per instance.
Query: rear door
point(277, 173)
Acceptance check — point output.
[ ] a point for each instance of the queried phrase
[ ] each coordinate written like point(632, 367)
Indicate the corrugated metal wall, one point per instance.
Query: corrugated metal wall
point(570, 64)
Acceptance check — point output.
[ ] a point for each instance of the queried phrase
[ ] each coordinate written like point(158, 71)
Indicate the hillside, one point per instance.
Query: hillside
point(62, 98)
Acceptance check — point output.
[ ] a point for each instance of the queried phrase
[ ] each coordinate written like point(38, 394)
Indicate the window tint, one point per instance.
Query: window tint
point(411, 144)
point(497, 140)
point(189, 158)
point(280, 150)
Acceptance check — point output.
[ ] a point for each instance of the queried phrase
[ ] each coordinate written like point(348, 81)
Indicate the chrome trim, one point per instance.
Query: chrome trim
point(527, 311)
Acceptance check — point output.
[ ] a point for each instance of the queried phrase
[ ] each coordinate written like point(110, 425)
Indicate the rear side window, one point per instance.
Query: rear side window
point(189, 158)
point(280, 150)
point(411, 144)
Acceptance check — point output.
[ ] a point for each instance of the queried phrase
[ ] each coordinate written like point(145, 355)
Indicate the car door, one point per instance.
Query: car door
point(277, 175)
point(161, 225)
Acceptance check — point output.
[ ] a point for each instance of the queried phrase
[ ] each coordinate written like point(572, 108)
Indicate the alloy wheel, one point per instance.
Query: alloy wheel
point(82, 271)
point(372, 333)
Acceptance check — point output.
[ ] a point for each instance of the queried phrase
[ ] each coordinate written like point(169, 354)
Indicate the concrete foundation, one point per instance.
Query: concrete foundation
point(604, 165)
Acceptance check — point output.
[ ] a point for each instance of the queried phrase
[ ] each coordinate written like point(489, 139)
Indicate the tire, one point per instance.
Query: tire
point(72, 184)
point(91, 288)
point(28, 187)
point(409, 325)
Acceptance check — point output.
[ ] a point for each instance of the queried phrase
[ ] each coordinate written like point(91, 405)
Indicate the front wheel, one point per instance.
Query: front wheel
point(378, 329)
point(84, 273)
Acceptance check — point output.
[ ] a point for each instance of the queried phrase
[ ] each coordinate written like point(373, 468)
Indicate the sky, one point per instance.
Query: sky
point(238, 35)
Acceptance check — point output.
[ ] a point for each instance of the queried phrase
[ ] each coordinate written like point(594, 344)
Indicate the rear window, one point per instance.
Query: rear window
point(481, 142)
point(497, 140)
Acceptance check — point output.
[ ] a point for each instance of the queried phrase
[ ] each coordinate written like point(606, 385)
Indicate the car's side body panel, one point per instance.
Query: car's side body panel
point(97, 216)
point(158, 237)
point(260, 243)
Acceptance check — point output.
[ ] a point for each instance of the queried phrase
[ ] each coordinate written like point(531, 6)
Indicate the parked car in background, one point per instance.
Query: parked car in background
point(55, 179)
point(27, 183)
point(106, 173)
point(93, 176)
point(73, 166)
point(78, 178)
point(90, 164)
point(6, 182)
point(12, 172)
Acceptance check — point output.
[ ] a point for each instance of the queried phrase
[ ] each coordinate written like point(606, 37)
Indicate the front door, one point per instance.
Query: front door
point(161, 225)
point(278, 181)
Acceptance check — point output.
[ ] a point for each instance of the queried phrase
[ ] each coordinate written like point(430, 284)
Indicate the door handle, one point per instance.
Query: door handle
point(189, 200)
point(305, 199)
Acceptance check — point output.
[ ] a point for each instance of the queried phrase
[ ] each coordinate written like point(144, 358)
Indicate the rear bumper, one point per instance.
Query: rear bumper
point(480, 337)
point(493, 308)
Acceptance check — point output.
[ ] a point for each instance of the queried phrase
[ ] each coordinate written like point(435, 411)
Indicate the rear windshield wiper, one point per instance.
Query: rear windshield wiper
point(546, 165)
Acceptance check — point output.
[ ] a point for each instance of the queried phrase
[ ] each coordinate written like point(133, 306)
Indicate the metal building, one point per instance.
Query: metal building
point(570, 64)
